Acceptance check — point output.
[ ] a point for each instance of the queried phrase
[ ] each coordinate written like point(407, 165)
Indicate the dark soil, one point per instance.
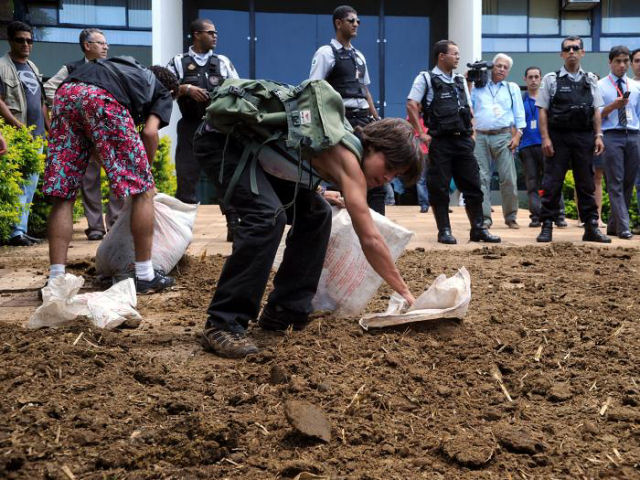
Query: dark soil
point(558, 324)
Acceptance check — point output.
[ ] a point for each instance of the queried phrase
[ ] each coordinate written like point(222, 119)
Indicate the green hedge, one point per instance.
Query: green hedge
point(571, 210)
point(22, 159)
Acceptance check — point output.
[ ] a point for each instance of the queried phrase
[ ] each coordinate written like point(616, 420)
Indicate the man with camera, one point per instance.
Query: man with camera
point(446, 108)
point(620, 125)
point(499, 120)
point(569, 105)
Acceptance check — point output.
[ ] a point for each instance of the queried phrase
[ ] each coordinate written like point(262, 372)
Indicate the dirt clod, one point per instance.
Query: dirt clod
point(308, 420)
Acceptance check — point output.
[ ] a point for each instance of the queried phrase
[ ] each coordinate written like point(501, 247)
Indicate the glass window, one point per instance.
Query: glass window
point(504, 16)
point(543, 17)
point(607, 42)
point(552, 44)
point(94, 12)
point(140, 13)
point(115, 37)
point(576, 23)
point(620, 16)
point(43, 15)
point(504, 45)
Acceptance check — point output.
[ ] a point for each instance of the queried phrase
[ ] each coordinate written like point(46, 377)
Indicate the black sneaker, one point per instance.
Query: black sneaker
point(34, 240)
point(157, 284)
point(20, 241)
point(227, 344)
point(279, 319)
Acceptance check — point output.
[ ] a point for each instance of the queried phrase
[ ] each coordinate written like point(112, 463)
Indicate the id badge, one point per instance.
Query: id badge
point(534, 124)
point(629, 113)
point(497, 111)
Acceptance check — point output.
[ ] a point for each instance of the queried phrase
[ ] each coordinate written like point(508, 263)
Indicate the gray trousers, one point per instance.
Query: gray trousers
point(492, 149)
point(533, 165)
point(92, 200)
point(622, 157)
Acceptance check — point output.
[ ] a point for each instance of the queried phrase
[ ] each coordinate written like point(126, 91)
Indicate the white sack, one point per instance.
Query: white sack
point(172, 234)
point(445, 298)
point(348, 282)
point(61, 304)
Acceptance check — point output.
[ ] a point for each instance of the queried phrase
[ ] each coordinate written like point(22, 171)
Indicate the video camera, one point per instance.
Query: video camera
point(479, 73)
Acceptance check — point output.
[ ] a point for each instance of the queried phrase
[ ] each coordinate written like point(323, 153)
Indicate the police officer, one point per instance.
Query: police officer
point(345, 68)
point(569, 113)
point(199, 70)
point(94, 45)
point(446, 107)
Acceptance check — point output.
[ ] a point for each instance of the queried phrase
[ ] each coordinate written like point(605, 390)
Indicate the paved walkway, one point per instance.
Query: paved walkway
point(210, 236)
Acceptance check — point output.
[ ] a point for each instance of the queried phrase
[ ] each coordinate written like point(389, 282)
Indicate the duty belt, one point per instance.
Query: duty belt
point(494, 132)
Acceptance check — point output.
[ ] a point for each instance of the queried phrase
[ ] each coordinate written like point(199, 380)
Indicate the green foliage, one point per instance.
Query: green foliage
point(23, 158)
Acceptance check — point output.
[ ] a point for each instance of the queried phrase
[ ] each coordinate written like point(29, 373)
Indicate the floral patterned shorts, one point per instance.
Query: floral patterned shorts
point(84, 118)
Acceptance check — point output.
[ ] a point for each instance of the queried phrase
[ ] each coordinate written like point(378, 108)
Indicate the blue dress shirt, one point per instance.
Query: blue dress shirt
point(497, 105)
point(608, 89)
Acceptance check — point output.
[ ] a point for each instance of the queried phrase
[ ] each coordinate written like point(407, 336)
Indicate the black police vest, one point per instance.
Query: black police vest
point(207, 76)
point(449, 112)
point(73, 65)
point(345, 75)
point(571, 108)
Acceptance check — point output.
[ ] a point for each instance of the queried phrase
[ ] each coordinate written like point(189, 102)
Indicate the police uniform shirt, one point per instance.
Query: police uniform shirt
point(498, 105)
point(227, 70)
point(609, 90)
point(549, 84)
point(323, 62)
point(422, 83)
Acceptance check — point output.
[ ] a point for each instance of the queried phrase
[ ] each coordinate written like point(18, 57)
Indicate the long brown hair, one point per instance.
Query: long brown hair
point(395, 139)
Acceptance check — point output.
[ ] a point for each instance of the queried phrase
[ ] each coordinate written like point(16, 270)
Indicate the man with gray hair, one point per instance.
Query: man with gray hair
point(499, 120)
point(94, 45)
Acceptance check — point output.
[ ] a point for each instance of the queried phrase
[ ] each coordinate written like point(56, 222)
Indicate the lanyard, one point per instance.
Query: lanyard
point(532, 110)
point(615, 84)
point(494, 95)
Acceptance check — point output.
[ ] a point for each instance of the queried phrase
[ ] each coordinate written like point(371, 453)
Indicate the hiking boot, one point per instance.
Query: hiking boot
point(227, 344)
point(156, 284)
point(479, 232)
point(593, 234)
point(441, 215)
point(561, 222)
point(278, 319)
point(546, 234)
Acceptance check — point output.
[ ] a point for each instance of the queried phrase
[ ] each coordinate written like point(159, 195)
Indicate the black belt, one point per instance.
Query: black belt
point(620, 130)
point(357, 111)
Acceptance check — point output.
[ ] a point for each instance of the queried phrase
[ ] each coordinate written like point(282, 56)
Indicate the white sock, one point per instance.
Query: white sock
point(144, 270)
point(56, 270)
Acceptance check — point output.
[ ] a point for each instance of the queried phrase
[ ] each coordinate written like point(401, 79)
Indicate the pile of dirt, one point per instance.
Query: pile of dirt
point(554, 329)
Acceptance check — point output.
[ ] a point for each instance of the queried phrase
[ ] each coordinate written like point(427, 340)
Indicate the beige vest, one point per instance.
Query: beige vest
point(14, 95)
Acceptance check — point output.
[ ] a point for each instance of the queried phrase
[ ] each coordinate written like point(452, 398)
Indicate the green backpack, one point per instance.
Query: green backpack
point(292, 122)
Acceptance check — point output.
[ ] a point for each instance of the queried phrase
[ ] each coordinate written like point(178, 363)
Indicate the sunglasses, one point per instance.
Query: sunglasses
point(353, 20)
point(103, 44)
point(212, 33)
point(571, 48)
point(23, 40)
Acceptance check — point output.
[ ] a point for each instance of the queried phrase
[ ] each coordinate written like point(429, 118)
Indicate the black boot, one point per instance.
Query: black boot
point(593, 234)
point(479, 232)
point(546, 233)
point(441, 213)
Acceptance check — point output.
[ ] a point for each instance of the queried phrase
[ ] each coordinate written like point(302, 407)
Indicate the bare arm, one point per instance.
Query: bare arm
point(543, 125)
point(8, 116)
point(149, 136)
point(372, 107)
point(597, 128)
point(413, 112)
point(352, 183)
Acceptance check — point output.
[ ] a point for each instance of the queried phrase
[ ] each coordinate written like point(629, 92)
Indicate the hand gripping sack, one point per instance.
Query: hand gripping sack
point(172, 234)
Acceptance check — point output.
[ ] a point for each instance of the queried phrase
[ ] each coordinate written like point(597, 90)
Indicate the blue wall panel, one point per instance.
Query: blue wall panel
point(233, 33)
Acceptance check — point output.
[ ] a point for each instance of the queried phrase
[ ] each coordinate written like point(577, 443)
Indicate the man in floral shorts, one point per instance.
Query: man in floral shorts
point(98, 107)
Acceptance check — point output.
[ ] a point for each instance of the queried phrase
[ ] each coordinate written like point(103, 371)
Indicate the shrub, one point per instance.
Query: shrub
point(23, 158)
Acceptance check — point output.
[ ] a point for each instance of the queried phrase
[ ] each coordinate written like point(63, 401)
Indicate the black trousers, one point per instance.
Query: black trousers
point(375, 196)
point(571, 150)
point(533, 165)
point(187, 167)
point(262, 218)
point(452, 156)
